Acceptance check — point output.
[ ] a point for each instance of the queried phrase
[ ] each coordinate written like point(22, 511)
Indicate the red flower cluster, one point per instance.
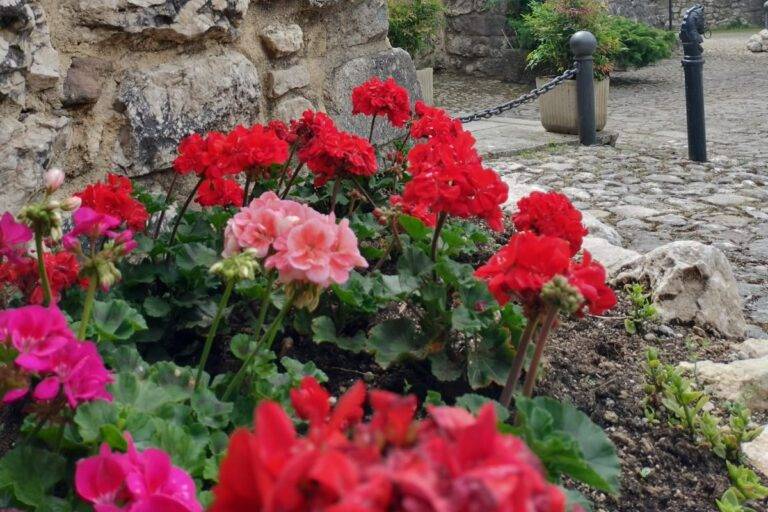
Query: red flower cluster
point(114, 198)
point(448, 175)
point(219, 192)
point(62, 268)
point(551, 233)
point(377, 98)
point(551, 214)
point(432, 121)
point(217, 155)
point(450, 462)
point(329, 152)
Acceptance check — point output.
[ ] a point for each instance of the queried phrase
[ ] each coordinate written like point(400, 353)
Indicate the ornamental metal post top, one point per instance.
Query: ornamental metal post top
point(583, 45)
point(691, 35)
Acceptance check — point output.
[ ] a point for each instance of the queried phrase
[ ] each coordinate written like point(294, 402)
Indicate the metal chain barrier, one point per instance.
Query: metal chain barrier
point(525, 98)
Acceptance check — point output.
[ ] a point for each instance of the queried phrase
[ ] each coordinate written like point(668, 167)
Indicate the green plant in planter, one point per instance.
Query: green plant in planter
point(413, 22)
point(552, 24)
point(641, 44)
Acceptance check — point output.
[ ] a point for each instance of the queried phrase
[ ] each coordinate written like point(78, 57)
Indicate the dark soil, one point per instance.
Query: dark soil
point(597, 366)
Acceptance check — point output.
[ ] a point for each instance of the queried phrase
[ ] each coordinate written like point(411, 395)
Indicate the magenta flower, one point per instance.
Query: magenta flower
point(92, 224)
point(135, 482)
point(79, 371)
point(13, 237)
point(37, 333)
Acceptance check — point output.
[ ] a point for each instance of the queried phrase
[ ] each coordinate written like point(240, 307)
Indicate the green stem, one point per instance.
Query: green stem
point(291, 181)
point(183, 211)
point(530, 378)
point(265, 303)
point(436, 238)
point(335, 193)
point(44, 283)
point(165, 205)
point(212, 331)
point(266, 341)
point(363, 191)
point(90, 296)
point(248, 179)
point(517, 363)
point(370, 134)
point(287, 163)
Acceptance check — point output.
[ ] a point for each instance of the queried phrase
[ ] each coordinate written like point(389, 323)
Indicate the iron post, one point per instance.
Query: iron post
point(691, 31)
point(765, 15)
point(671, 16)
point(583, 46)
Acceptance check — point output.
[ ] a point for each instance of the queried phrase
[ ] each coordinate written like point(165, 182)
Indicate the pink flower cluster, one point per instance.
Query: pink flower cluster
point(48, 349)
point(301, 243)
point(135, 482)
point(94, 226)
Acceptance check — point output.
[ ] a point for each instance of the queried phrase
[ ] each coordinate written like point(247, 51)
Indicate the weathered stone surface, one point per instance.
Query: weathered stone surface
point(691, 282)
point(365, 22)
point(394, 62)
point(283, 40)
point(755, 44)
point(165, 103)
point(83, 83)
point(745, 380)
point(280, 81)
point(600, 229)
point(27, 149)
point(751, 348)
point(517, 191)
point(292, 108)
point(175, 20)
point(613, 257)
point(756, 452)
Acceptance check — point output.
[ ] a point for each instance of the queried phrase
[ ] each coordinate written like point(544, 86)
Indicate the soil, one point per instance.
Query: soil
point(597, 366)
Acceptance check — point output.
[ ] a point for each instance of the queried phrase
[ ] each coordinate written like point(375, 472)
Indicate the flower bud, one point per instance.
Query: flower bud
point(53, 178)
point(71, 204)
point(559, 293)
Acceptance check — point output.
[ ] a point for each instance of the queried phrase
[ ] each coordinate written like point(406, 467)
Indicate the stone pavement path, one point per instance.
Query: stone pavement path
point(645, 186)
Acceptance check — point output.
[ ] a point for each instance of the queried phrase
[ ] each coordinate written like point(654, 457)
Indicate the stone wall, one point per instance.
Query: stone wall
point(719, 13)
point(98, 85)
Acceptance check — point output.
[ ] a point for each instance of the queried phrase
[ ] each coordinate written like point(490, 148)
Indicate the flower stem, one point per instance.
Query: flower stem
point(265, 341)
point(45, 284)
point(517, 363)
point(284, 169)
point(90, 296)
point(184, 210)
point(550, 316)
point(265, 303)
point(165, 205)
point(373, 125)
point(335, 194)
point(436, 238)
point(291, 182)
point(212, 331)
point(363, 191)
point(248, 179)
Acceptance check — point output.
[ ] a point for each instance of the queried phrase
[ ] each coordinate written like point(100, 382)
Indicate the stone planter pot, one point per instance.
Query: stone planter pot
point(425, 77)
point(559, 109)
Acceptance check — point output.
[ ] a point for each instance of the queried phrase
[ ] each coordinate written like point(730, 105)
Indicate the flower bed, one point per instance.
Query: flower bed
point(137, 343)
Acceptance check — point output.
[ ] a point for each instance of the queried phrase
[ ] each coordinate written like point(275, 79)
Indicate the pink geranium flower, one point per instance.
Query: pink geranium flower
point(135, 482)
point(37, 333)
point(13, 237)
point(79, 371)
point(92, 224)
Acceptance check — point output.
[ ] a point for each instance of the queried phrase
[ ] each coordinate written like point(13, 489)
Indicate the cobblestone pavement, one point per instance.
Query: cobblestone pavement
point(645, 186)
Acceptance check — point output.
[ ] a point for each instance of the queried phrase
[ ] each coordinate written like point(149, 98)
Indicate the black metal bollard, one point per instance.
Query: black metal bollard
point(765, 15)
point(583, 46)
point(691, 32)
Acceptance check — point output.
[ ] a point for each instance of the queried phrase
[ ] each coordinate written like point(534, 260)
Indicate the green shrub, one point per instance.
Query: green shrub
point(553, 22)
point(413, 22)
point(642, 45)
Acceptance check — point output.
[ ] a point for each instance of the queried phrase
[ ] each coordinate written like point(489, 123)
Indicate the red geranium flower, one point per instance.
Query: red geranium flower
point(588, 276)
point(332, 153)
point(62, 268)
point(377, 98)
point(433, 121)
point(114, 198)
point(256, 148)
point(551, 214)
point(309, 126)
point(219, 192)
point(523, 266)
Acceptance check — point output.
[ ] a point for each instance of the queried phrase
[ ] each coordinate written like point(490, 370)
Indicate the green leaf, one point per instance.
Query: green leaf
point(490, 360)
point(185, 446)
point(29, 473)
point(143, 395)
point(444, 368)
point(568, 442)
point(193, 255)
point(576, 499)
point(464, 320)
point(91, 416)
point(116, 320)
point(113, 436)
point(395, 339)
point(156, 307)
point(242, 345)
point(474, 402)
point(415, 228)
point(411, 266)
point(210, 411)
point(324, 331)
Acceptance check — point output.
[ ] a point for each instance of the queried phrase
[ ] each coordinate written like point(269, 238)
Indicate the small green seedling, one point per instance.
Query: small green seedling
point(642, 311)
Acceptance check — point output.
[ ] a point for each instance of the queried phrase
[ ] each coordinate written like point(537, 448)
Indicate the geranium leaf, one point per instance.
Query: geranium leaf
point(395, 339)
point(156, 307)
point(324, 331)
point(415, 228)
point(116, 320)
point(91, 416)
point(474, 402)
point(29, 473)
point(490, 359)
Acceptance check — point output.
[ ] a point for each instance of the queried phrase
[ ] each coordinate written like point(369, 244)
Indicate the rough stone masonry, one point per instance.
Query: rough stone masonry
point(113, 85)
